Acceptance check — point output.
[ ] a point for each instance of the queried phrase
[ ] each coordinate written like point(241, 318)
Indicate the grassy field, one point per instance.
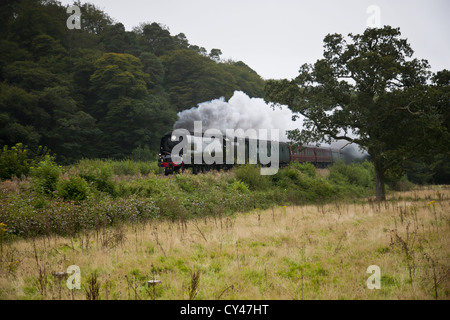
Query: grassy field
point(283, 252)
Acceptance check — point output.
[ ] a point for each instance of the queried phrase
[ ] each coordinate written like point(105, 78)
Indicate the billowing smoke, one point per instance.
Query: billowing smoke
point(240, 112)
point(243, 112)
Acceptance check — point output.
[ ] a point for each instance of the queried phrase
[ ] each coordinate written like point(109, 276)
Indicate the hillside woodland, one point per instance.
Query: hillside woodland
point(101, 91)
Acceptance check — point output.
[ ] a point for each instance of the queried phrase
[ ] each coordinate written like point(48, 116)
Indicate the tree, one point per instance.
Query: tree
point(192, 78)
point(181, 41)
point(44, 45)
point(128, 114)
point(30, 75)
point(93, 20)
point(20, 116)
point(246, 78)
point(155, 38)
point(370, 92)
point(70, 133)
point(116, 76)
point(215, 54)
point(100, 90)
point(29, 18)
point(153, 67)
point(115, 38)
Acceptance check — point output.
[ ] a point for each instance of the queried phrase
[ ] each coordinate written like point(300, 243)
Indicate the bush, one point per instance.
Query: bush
point(250, 174)
point(101, 179)
point(240, 186)
point(287, 178)
point(130, 167)
point(75, 188)
point(358, 174)
point(17, 161)
point(307, 168)
point(120, 167)
point(402, 184)
point(45, 176)
point(14, 162)
point(357, 179)
point(186, 183)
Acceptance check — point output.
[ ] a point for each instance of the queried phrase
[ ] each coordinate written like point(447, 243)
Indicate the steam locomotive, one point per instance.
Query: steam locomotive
point(252, 151)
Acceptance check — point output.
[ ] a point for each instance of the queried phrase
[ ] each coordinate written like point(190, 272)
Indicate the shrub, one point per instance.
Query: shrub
point(130, 167)
point(307, 168)
point(250, 174)
point(353, 180)
point(17, 161)
point(14, 162)
point(358, 174)
point(240, 186)
point(101, 179)
point(186, 183)
point(45, 175)
point(75, 188)
point(287, 178)
point(402, 184)
point(120, 167)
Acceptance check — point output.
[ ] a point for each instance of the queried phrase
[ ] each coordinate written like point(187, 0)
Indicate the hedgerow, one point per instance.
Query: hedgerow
point(88, 196)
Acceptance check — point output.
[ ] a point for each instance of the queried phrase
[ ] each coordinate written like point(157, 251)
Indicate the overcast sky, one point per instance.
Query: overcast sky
point(275, 37)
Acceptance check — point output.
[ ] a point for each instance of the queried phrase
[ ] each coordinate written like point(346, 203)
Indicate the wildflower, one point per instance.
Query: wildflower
point(2, 227)
point(431, 203)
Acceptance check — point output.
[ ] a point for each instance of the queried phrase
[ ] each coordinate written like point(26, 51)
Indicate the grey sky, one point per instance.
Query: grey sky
point(275, 37)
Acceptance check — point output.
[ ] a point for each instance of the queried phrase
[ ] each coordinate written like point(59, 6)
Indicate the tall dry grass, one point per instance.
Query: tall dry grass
point(300, 252)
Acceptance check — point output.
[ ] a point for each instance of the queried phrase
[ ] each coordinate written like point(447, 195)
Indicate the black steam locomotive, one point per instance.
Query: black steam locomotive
point(319, 156)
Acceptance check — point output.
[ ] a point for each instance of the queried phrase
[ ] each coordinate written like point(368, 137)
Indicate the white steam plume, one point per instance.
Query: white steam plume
point(240, 112)
point(243, 112)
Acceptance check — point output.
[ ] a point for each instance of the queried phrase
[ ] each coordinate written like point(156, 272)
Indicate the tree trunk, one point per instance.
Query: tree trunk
point(379, 183)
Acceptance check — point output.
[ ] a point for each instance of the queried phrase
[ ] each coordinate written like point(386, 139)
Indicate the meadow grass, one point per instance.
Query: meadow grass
point(310, 251)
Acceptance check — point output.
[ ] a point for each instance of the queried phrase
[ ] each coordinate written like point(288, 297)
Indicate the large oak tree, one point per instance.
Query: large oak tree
point(372, 92)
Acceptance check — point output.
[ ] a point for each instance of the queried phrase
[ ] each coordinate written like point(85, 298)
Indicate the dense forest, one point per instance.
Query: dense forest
point(101, 91)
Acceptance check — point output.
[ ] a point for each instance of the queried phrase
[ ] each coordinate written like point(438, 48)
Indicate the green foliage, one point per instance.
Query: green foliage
point(17, 161)
point(102, 91)
point(14, 162)
point(192, 78)
point(155, 38)
point(386, 103)
point(246, 78)
point(141, 188)
point(240, 186)
point(143, 154)
point(101, 179)
point(251, 176)
point(357, 179)
point(119, 167)
point(301, 185)
point(45, 175)
point(305, 167)
point(74, 188)
point(186, 183)
point(119, 75)
point(98, 193)
point(358, 174)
